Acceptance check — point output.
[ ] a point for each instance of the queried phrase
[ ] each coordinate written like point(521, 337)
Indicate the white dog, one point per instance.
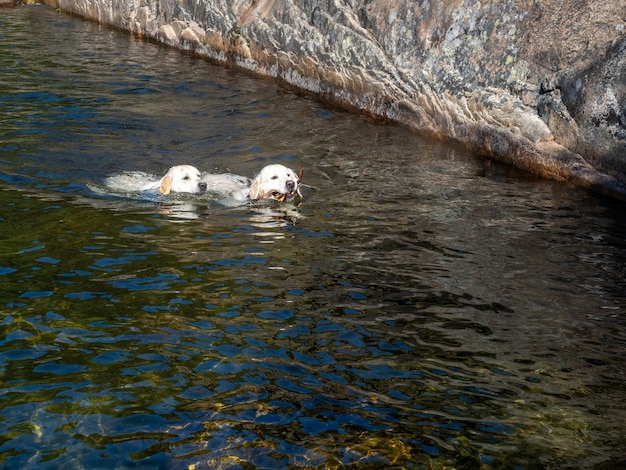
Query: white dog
point(276, 182)
point(273, 182)
point(179, 179)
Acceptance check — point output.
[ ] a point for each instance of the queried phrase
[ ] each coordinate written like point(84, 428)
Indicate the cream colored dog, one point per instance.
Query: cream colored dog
point(179, 179)
point(275, 182)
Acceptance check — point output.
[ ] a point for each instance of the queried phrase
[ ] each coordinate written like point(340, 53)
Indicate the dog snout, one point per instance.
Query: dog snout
point(202, 186)
point(291, 185)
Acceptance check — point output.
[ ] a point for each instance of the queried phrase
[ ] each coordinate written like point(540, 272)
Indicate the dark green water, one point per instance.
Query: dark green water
point(421, 308)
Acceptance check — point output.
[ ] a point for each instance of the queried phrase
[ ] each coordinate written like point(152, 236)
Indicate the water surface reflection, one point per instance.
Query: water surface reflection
point(420, 308)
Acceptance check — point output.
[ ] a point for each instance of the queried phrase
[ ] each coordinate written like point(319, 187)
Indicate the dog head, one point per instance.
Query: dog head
point(275, 182)
point(182, 179)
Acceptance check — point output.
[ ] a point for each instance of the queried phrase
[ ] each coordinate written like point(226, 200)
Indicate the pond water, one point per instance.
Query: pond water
point(420, 307)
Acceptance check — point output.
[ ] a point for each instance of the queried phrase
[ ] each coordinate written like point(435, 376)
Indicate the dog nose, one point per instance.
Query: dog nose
point(202, 186)
point(291, 184)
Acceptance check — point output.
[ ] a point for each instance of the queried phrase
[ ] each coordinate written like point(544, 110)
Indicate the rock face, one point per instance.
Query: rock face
point(540, 84)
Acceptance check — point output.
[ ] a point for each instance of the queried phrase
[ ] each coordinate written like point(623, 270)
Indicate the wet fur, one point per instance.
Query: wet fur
point(273, 182)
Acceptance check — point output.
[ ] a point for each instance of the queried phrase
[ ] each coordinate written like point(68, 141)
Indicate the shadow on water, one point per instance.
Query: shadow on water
point(419, 308)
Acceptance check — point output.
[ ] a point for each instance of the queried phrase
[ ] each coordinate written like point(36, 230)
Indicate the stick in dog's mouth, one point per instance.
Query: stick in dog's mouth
point(280, 197)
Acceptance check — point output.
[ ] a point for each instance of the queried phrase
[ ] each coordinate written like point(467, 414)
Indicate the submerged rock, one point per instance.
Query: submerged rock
point(537, 84)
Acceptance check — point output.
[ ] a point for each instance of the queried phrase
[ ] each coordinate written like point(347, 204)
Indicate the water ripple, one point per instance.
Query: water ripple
point(420, 308)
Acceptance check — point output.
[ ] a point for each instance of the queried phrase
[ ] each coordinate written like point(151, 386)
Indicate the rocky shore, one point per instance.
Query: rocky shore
point(539, 84)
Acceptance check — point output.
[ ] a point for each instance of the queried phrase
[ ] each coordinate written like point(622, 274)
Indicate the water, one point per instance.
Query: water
point(420, 308)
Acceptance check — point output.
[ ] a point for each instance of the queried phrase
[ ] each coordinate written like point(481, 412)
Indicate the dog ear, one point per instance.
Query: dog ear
point(255, 190)
point(166, 184)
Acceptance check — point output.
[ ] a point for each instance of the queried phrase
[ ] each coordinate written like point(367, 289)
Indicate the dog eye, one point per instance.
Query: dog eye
point(185, 177)
point(275, 177)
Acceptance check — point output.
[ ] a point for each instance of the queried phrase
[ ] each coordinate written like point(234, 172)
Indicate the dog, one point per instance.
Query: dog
point(276, 182)
point(179, 179)
point(273, 182)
